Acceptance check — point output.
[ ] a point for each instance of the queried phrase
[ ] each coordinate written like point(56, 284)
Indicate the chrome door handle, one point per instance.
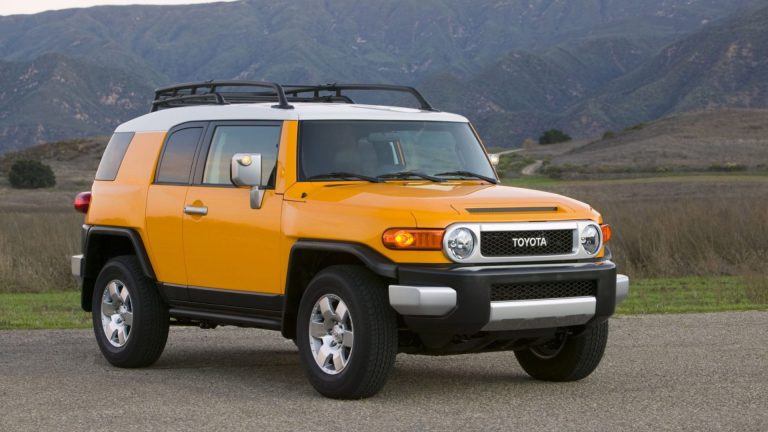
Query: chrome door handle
point(193, 210)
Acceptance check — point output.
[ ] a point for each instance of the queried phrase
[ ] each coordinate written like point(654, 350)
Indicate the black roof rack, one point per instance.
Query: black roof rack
point(210, 93)
point(295, 90)
point(189, 94)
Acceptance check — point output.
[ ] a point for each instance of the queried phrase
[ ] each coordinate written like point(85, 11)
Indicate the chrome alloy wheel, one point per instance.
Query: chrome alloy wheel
point(116, 313)
point(330, 334)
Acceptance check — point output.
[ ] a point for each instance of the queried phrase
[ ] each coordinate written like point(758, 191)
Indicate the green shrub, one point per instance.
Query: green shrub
point(554, 136)
point(609, 135)
point(31, 174)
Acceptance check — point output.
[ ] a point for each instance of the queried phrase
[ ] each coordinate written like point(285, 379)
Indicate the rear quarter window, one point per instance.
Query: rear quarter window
point(113, 156)
point(178, 155)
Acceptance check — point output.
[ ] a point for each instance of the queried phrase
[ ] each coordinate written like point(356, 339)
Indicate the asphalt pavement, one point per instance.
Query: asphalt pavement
point(660, 372)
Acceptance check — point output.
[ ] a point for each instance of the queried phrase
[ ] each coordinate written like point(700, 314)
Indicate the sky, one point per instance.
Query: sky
point(13, 7)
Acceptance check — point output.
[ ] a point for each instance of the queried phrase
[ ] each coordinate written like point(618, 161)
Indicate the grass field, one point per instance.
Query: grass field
point(42, 310)
point(647, 296)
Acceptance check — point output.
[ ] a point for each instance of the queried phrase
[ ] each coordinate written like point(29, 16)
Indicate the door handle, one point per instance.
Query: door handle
point(194, 210)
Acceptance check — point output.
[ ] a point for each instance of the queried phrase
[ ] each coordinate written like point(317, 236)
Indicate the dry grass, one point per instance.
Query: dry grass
point(686, 226)
point(702, 237)
point(35, 250)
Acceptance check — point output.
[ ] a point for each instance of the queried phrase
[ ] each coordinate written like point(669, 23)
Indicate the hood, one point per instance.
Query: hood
point(440, 204)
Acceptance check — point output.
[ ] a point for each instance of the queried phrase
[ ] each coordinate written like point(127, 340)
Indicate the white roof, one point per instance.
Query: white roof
point(164, 120)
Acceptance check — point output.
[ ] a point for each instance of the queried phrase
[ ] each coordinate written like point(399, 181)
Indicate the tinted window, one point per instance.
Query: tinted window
point(228, 140)
point(178, 155)
point(375, 148)
point(113, 156)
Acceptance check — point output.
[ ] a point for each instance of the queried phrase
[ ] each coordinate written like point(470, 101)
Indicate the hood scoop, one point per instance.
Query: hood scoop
point(511, 209)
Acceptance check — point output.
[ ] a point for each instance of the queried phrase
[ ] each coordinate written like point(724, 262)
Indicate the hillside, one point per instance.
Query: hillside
point(55, 96)
point(394, 40)
point(525, 93)
point(725, 65)
point(522, 64)
point(73, 161)
point(730, 139)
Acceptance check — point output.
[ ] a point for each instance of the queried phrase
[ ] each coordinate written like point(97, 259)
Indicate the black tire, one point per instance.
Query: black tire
point(372, 355)
point(574, 359)
point(148, 333)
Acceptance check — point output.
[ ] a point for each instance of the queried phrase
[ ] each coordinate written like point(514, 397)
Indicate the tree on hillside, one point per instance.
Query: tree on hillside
point(31, 174)
point(554, 136)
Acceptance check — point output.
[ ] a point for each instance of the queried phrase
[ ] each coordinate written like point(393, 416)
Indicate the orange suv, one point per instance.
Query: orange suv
point(358, 231)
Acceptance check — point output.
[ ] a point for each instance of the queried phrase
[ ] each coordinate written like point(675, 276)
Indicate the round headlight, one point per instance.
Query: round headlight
point(460, 243)
point(590, 239)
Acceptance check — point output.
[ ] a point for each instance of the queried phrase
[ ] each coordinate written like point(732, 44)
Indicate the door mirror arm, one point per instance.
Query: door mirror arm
point(246, 169)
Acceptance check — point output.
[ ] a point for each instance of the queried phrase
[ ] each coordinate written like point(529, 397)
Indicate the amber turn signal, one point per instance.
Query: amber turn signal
point(413, 239)
point(607, 232)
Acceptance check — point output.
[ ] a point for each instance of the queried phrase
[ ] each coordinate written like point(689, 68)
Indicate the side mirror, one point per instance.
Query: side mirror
point(246, 172)
point(494, 158)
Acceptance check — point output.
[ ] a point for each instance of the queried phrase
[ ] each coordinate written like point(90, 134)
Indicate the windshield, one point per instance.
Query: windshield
point(355, 149)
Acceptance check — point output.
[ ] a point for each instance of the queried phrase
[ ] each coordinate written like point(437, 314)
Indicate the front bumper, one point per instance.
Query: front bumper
point(457, 300)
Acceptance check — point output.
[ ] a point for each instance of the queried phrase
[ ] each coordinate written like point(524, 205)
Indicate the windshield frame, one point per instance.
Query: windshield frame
point(301, 177)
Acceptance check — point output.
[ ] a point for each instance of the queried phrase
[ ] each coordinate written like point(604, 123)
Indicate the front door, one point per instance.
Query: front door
point(231, 249)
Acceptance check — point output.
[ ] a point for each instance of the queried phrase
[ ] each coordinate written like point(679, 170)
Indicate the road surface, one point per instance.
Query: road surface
point(663, 372)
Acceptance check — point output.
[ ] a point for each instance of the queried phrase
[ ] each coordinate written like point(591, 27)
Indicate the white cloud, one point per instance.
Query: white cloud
point(14, 7)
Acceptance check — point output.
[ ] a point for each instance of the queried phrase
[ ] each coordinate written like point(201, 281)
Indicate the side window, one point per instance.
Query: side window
point(178, 155)
point(228, 140)
point(113, 156)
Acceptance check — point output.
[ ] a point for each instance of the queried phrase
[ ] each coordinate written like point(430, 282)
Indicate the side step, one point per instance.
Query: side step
point(223, 318)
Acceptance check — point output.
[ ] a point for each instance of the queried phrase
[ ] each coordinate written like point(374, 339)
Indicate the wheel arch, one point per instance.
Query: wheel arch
point(102, 243)
point(308, 257)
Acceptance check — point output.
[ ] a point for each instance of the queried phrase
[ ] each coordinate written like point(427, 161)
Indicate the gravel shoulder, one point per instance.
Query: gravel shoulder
point(660, 372)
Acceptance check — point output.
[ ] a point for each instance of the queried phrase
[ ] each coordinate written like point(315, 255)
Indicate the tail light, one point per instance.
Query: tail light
point(82, 202)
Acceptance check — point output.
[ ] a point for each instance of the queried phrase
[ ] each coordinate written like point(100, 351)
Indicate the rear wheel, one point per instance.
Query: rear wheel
point(130, 320)
point(346, 333)
point(566, 358)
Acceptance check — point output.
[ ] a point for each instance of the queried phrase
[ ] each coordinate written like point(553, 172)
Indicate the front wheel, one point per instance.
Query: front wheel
point(566, 358)
point(130, 320)
point(346, 333)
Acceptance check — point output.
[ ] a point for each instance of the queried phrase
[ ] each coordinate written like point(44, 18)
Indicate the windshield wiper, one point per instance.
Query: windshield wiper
point(468, 174)
point(406, 174)
point(343, 175)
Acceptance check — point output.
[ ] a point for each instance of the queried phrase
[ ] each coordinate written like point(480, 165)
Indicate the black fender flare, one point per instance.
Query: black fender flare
point(373, 260)
point(93, 260)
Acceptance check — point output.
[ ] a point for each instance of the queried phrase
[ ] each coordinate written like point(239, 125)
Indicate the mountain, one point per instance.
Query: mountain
point(55, 96)
point(725, 65)
point(299, 40)
point(593, 84)
point(514, 67)
point(525, 93)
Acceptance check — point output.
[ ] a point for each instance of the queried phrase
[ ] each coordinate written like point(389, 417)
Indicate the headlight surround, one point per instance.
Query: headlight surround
point(590, 239)
point(460, 243)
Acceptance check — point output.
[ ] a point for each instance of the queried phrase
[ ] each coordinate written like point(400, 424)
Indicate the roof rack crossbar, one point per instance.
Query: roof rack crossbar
point(165, 95)
point(338, 88)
